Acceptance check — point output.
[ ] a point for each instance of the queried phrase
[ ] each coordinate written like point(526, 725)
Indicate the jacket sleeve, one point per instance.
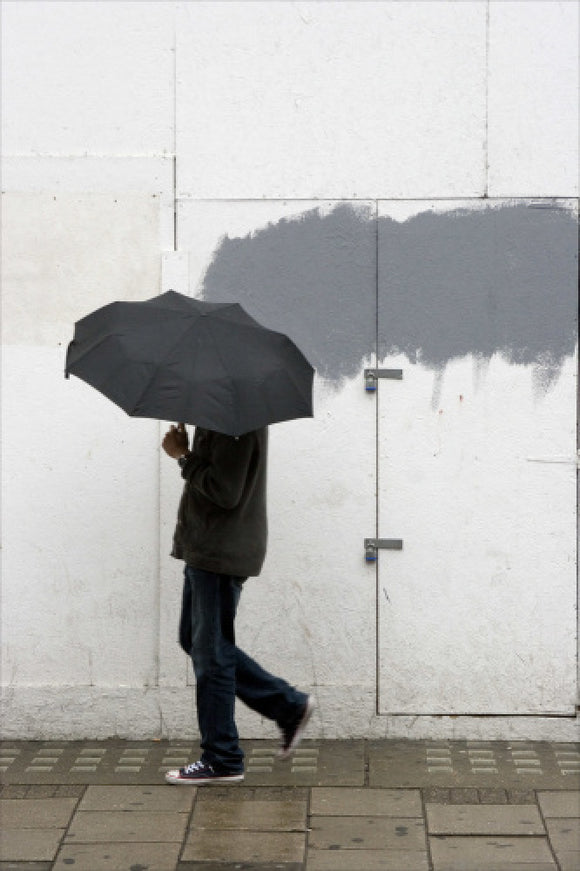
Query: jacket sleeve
point(222, 477)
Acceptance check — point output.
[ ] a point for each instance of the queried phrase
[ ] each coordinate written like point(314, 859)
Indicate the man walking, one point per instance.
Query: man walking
point(221, 536)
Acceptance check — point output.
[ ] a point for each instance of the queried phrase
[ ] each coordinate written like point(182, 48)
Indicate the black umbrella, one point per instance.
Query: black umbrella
point(177, 358)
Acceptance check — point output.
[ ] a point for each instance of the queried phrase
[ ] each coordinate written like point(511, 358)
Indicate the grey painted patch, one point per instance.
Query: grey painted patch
point(480, 282)
point(472, 282)
point(314, 278)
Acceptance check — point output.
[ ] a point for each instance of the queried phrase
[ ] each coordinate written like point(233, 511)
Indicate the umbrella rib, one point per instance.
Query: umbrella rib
point(224, 367)
point(156, 370)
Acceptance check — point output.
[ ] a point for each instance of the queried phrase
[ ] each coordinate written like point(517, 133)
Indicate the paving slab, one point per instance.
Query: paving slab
point(400, 763)
point(367, 833)
point(487, 795)
point(366, 860)
point(564, 835)
point(257, 816)
point(316, 763)
point(203, 845)
point(41, 813)
point(521, 796)
point(453, 764)
point(490, 806)
point(40, 790)
point(569, 861)
point(464, 795)
point(138, 798)
point(241, 792)
point(353, 801)
point(493, 795)
point(29, 845)
point(484, 819)
point(25, 866)
point(560, 804)
point(13, 790)
point(240, 866)
point(93, 827)
point(94, 762)
point(491, 854)
point(117, 857)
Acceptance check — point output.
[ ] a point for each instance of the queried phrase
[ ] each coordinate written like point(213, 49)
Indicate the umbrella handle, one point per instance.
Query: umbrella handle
point(66, 372)
point(181, 428)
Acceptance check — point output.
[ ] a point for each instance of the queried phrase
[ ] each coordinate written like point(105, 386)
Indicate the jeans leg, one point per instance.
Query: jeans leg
point(213, 600)
point(184, 635)
point(265, 693)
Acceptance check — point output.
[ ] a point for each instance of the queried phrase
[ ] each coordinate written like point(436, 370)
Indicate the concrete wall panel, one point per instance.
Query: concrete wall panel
point(88, 78)
point(60, 174)
point(80, 497)
point(309, 616)
point(284, 117)
point(477, 460)
point(328, 100)
point(67, 254)
point(79, 594)
point(533, 99)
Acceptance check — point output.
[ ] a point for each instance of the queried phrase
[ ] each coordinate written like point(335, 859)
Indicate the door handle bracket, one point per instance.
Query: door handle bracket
point(373, 545)
point(372, 376)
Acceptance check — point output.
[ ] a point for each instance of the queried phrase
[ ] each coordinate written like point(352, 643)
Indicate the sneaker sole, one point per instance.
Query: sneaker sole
point(175, 778)
point(310, 707)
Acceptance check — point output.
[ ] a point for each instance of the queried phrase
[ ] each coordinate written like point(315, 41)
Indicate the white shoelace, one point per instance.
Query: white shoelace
point(196, 766)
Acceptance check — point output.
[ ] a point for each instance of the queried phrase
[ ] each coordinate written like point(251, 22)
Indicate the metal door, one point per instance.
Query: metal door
point(477, 304)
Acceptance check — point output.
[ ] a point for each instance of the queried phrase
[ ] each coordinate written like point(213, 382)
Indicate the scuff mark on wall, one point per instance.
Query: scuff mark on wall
point(501, 279)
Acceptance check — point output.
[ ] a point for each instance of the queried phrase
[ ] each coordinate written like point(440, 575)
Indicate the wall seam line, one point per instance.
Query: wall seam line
point(486, 131)
point(377, 519)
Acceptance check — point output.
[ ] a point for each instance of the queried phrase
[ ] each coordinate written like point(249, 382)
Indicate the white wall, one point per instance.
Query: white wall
point(120, 117)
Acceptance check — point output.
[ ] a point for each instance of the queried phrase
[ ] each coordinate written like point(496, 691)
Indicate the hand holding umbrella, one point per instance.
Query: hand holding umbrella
point(176, 443)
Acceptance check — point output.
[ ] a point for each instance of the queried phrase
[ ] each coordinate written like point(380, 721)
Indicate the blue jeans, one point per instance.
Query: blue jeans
point(223, 671)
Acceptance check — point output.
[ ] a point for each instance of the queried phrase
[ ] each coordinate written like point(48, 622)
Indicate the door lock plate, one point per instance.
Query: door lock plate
point(372, 376)
point(373, 545)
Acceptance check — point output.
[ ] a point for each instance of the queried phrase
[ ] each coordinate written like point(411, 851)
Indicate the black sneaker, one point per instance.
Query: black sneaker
point(199, 773)
point(293, 733)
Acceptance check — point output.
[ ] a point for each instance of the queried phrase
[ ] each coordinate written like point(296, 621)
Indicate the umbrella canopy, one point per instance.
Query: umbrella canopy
point(177, 358)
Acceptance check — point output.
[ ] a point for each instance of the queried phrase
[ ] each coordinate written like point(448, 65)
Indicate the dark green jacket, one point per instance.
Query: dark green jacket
point(221, 522)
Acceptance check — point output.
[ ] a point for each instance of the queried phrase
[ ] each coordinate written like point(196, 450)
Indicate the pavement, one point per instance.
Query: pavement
point(353, 805)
